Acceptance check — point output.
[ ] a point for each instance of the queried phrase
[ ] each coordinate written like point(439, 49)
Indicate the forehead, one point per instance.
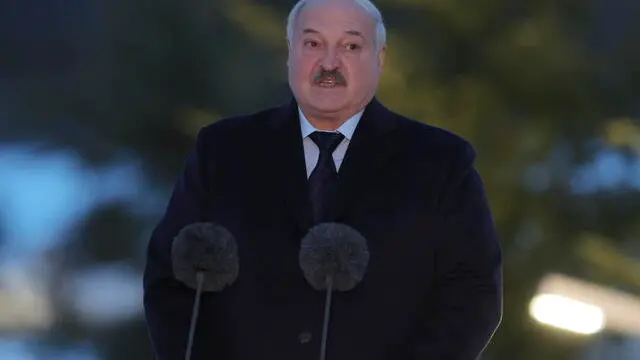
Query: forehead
point(335, 17)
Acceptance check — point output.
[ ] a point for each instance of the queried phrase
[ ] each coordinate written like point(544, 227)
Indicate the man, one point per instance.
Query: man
point(433, 286)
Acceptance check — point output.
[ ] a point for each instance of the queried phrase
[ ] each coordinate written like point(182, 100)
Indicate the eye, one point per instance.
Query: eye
point(311, 44)
point(353, 47)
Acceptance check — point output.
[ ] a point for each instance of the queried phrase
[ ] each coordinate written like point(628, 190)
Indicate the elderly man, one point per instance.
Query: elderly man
point(334, 153)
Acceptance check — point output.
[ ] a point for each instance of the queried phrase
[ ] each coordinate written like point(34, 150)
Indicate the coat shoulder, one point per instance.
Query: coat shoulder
point(435, 143)
point(238, 124)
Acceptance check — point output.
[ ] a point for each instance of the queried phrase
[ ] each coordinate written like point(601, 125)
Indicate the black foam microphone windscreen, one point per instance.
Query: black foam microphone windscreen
point(333, 256)
point(334, 250)
point(205, 258)
point(208, 249)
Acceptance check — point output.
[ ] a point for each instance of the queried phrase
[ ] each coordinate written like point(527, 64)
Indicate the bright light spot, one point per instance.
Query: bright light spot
point(567, 314)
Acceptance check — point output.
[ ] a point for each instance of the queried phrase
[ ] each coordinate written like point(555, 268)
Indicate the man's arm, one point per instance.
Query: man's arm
point(467, 306)
point(167, 302)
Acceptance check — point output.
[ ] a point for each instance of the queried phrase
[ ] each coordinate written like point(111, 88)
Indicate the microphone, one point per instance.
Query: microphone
point(205, 258)
point(333, 256)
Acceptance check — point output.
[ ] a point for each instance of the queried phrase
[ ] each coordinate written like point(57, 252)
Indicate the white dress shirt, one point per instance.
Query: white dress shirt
point(311, 151)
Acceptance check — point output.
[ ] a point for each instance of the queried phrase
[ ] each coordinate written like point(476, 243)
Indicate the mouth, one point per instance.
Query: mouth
point(329, 82)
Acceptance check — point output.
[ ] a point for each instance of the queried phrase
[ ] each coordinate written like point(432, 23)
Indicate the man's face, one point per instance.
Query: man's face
point(333, 64)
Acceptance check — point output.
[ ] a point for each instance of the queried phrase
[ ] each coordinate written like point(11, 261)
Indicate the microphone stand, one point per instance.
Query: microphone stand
point(194, 315)
point(327, 312)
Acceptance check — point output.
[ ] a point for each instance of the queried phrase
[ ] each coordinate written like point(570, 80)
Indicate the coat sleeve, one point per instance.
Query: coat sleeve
point(467, 306)
point(167, 302)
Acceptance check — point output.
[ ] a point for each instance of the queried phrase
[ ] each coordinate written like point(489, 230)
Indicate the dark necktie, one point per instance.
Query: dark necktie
point(324, 175)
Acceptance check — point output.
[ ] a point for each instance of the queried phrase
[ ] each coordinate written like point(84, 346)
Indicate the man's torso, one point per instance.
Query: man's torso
point(389, 187)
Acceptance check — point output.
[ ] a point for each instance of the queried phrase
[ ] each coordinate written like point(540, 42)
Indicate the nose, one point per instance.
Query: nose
point(330, 60)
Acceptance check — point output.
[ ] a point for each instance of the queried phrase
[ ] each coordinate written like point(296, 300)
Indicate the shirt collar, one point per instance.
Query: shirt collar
point(347, 128)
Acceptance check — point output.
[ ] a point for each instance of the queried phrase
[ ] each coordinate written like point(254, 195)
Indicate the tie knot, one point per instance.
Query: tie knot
point(327, 141)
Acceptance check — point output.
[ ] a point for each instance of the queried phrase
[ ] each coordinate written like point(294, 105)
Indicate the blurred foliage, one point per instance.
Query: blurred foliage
point(534, 84)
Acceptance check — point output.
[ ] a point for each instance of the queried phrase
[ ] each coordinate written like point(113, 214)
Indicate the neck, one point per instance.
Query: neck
point(328, 121)
point(325, 123)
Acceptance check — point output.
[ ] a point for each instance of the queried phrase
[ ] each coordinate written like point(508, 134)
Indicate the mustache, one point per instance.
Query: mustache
point(335, 75)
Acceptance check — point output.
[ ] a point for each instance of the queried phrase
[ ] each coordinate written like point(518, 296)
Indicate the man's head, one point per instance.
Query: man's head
point(336, 53)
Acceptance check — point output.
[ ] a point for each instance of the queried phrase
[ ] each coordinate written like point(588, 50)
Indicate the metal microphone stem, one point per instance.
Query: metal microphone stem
point(327, 312)
point(194, 315)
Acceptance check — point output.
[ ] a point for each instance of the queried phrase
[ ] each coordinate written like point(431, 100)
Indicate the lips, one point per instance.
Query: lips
point(329, 78)
point(328, 82)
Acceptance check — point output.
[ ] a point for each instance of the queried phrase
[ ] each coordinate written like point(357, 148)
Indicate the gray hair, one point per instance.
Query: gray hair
point(368, 6)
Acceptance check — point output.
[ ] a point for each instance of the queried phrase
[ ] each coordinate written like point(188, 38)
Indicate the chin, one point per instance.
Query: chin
point(328, 97)
point(328, 105)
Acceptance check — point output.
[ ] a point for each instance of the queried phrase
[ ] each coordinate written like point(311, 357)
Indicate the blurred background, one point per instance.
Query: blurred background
point(100, 102)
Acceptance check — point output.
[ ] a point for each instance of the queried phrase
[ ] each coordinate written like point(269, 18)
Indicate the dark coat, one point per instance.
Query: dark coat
point(433, 288)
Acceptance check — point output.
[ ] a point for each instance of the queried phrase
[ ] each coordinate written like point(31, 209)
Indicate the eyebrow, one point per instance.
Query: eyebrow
point(348, 32)
point(355, 33)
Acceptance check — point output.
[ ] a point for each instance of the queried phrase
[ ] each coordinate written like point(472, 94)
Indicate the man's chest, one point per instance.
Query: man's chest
point(395, 212)
point(398, 200)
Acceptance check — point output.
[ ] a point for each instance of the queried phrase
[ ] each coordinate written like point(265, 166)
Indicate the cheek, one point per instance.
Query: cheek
point(301, 68)
point(362, 73)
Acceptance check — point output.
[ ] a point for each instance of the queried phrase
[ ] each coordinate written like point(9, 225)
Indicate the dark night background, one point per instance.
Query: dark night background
point(100, 102)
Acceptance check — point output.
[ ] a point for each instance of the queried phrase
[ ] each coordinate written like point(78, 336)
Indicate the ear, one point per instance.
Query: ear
point(289, 51)
point(382, 53)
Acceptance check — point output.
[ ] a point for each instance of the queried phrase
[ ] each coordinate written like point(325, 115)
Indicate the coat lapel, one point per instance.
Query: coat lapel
point(369, 150)
point(287, 141)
